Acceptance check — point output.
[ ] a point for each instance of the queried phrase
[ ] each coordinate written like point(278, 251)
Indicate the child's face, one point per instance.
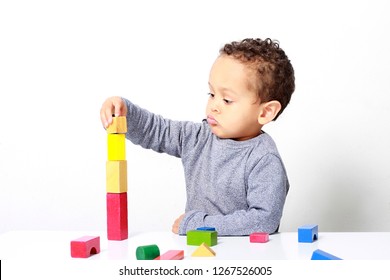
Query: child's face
point(232, 109)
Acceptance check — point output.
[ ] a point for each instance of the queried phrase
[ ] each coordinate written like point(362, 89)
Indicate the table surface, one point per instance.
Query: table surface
point(281, 246)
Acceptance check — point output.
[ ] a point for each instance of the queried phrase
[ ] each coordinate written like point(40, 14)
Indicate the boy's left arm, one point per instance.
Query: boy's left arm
point(176, 224)
point(267, 189)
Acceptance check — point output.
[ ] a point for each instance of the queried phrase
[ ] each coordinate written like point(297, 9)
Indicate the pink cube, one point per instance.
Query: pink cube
point(85, 246)
point(259, 237)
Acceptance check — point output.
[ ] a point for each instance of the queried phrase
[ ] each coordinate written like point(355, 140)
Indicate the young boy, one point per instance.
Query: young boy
point(235, 178)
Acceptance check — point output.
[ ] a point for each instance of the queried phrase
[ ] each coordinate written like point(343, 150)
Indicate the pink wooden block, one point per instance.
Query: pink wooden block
point(85, 246)
point(259, 237)
point(171, 255)
point(117, 227)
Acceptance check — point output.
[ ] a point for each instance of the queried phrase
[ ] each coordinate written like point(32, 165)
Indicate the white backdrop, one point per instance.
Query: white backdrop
point(59, 60)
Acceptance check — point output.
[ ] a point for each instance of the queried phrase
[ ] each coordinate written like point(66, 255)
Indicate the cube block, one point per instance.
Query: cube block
point(116, 176)
point(117, 223)
point(197, 237)
point(259, 237)
point(116, 147)
point(118, 125)
point(85, 246)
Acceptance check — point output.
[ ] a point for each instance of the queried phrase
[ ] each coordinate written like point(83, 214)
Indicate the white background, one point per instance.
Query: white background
point(59, 60)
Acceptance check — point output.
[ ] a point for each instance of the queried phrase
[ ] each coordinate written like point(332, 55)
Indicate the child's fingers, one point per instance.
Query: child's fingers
point(106, 112)
point(113, 105)
point(119, 107)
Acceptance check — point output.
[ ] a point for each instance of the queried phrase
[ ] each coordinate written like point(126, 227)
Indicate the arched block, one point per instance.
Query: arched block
point(308, 233)
point(85, 246)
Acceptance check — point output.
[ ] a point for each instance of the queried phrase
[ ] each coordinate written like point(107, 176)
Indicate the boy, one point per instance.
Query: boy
point(235, 178)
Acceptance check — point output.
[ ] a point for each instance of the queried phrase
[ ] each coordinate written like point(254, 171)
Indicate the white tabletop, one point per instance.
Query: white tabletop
point(281, 246)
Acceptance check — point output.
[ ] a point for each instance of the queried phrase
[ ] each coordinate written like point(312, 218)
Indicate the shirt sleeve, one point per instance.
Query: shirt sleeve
point(266, 194)
point(152, 131)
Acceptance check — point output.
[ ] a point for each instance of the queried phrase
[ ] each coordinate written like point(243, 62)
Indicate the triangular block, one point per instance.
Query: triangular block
point(203, 251)
point(322, 255)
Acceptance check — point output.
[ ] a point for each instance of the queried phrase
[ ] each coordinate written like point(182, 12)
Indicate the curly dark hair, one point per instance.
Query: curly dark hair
point(274, 72)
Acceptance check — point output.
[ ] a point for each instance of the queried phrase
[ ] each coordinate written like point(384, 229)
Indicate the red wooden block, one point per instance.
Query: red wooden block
point(259, 237)
point(85, 246)
point(117, 227)
point(171, 255)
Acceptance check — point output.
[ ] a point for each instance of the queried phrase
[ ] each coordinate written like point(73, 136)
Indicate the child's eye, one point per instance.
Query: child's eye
point(227, 101)
point(211, 94)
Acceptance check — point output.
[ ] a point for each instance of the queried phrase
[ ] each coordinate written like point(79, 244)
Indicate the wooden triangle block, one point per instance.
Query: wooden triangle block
point(203, 251)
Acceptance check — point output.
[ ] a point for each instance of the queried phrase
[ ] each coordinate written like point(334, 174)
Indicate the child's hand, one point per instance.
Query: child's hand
point(176, 224)
point(112, 106)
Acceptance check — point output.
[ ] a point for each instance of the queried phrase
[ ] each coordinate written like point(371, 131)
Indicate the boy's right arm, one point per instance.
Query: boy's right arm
point(112, 106)
point(149, 130)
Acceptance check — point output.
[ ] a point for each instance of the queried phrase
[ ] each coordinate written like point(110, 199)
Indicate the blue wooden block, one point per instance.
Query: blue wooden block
point(308, 233)
point(206, 228)
point(321, 255)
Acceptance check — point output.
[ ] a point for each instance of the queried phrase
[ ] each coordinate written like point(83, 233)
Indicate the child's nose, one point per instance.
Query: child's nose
point(215, 107)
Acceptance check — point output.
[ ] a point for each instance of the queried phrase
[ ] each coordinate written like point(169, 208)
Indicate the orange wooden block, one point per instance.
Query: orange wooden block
point(85, 246)
point(171, 255)
point(118, 125)
point(116, 176)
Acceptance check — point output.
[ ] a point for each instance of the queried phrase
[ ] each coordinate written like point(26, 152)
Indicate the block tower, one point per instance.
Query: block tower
point(116, 180)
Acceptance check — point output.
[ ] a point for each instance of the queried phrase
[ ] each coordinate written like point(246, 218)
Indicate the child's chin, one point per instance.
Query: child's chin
point(221, 135)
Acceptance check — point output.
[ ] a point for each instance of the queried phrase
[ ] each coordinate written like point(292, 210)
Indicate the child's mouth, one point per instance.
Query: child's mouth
point(211, 120)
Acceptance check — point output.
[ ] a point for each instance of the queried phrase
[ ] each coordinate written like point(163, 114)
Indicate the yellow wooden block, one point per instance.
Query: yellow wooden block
point(203, 251)
point(118, 125)
point(116, 176)
point(116, 146)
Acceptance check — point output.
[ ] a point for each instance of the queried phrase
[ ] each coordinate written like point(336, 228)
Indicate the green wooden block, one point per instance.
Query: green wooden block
point(197, 237)
point(148, 252)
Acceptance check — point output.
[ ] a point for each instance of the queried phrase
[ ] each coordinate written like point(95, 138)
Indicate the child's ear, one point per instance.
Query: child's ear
point(268, 111)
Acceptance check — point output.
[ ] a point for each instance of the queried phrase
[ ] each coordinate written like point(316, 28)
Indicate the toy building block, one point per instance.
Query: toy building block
point(118, 125)
point(85, 246)
point(172, 255)
point(117, 224)
point(116, 176)
point(116, 146)
point(203, 251)
point(308, 233)
point(321, 255)
point(197, 237)
point(259, 237)
point(206, 228)
point(147, 252)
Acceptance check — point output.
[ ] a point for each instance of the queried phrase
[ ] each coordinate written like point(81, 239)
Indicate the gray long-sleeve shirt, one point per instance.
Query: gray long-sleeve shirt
point(238, 187)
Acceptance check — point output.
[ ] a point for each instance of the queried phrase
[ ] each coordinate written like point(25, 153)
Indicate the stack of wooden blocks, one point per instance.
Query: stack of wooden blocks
point(116, 180)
